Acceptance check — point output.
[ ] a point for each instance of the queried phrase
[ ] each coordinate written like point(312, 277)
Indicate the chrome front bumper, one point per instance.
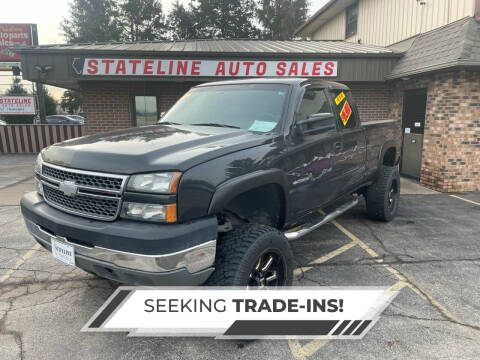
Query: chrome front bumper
point(193, 259)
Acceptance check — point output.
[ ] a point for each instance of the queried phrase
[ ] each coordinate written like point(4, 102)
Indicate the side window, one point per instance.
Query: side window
point(345, 111)
point(314, 104)
point(351, 20)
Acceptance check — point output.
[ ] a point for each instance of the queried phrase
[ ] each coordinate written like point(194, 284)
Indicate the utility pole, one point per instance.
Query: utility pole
point(39, 86)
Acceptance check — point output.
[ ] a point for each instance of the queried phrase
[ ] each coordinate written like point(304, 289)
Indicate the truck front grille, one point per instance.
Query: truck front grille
point(96, 195)
point(101, 182)
point(83, 204)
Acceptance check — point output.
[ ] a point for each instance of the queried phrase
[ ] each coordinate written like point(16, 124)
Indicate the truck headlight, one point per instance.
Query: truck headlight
point(162, 183)
point(150, 212)
point(38, 164)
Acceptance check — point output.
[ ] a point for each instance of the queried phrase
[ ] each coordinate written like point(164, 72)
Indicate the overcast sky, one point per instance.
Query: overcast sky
point(48, 14)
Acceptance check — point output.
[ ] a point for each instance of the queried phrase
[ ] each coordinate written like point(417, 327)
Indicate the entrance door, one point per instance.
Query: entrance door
point(413, 122)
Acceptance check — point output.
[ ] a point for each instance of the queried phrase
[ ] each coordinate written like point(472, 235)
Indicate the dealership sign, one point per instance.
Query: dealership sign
point(17, 105)
point(13, 35)
point(205, 68)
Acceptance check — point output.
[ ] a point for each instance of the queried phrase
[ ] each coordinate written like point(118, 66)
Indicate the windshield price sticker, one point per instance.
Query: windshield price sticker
point(330, 313)
point(339, 98)
point(345, 113)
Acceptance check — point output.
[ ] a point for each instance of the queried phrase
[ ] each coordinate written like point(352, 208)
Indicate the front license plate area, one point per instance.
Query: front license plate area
point(63, 252)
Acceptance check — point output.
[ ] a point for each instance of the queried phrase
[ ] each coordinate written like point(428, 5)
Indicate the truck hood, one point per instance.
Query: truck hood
point(151, 148)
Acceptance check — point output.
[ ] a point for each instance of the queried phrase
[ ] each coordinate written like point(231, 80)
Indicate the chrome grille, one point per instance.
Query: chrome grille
point(83, 205)
point(96, 181)
point(97, 195)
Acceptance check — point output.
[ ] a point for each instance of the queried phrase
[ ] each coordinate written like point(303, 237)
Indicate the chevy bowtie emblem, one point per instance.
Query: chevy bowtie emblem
point(68, 188)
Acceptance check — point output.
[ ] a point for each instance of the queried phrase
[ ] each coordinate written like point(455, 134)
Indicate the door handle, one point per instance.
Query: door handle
point(338, 146)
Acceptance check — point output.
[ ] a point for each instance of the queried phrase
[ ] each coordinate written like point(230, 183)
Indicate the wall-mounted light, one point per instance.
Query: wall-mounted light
point(43, 69)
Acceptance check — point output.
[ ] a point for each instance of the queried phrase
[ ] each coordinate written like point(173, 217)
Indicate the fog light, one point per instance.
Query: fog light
point(150, 212)
point(39, 187)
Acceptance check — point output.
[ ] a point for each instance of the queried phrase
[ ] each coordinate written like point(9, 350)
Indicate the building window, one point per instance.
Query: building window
point(351, 21)
point(146, 110)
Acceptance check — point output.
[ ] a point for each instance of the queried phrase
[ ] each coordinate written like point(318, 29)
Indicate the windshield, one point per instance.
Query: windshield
point(254, 107)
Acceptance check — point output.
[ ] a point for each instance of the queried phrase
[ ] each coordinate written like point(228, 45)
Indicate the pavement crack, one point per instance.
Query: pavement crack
point(442, 311)
point(414, 317)
point(17, 335)
point(17, 182)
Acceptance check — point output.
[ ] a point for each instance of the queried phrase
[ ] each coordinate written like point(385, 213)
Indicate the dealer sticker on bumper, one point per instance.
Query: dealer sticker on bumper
point(63, 252)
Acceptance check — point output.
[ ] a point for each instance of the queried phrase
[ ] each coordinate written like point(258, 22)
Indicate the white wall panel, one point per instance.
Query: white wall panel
point(384, 22)
point(332, 30)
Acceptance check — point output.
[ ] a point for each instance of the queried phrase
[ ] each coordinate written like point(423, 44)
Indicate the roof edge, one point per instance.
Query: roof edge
point(434, 68)
point(312, 18)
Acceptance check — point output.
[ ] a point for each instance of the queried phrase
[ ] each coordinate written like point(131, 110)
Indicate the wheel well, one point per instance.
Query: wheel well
point(263, 205)
point(389, 157)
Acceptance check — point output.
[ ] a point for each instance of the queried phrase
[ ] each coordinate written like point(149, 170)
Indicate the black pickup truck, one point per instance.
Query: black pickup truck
point(215, 191)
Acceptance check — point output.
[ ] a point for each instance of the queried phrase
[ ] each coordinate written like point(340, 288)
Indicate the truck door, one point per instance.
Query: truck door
point(312, 146)
point(351, 161)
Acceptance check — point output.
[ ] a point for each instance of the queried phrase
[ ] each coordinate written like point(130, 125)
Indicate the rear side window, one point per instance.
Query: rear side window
point(344, 109)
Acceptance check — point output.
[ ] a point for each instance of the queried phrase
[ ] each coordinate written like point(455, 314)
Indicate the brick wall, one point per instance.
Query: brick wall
point(451, 143)
point(373, 100)
point(106, 106)
point(109, 105)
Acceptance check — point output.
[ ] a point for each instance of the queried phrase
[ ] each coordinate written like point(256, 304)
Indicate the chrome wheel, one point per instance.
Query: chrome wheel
point(268, 271)
point(392, 196)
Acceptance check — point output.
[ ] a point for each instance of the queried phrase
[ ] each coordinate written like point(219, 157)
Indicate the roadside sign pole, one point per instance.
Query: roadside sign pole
point(39, 86)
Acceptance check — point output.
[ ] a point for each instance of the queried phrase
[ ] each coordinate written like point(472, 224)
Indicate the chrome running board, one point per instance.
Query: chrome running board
point(303, 230)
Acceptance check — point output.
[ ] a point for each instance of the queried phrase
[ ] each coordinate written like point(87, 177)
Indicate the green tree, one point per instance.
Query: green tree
point(16, 88)
point(280, 18)
point(92, 20)
point(142, 20)
point(224, 19)
point(181, 22)
point(50, 103)
point(71, 101)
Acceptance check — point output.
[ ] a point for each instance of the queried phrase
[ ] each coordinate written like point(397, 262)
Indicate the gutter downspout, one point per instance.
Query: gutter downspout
point(477, 10)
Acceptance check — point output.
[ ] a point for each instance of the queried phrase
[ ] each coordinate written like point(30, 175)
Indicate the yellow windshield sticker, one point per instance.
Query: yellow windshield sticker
point(345, 113)
point(339, 98)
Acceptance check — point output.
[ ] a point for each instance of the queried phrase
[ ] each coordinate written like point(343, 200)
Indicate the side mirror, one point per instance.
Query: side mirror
point(315, 123)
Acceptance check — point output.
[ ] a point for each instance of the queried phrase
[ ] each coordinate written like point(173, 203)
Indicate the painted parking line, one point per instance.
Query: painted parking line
point(447, 314)
point(467, 200)
point(20, 262)
point(322, 259)
point(302, 352)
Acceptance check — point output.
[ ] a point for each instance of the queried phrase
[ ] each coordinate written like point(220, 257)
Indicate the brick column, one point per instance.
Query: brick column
point(451, 142)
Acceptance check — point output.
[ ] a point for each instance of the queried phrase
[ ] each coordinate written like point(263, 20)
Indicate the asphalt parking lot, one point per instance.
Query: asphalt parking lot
point(430, 252)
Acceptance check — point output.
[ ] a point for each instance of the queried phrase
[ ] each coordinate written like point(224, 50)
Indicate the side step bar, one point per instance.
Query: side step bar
point(309, 227)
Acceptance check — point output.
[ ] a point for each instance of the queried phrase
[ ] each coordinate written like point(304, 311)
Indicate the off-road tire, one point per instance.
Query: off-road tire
point(239, 250)
point(379, 195)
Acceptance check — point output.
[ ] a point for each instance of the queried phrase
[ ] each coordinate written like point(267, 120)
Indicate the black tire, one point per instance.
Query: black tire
point(239, 252)
point(383, 196)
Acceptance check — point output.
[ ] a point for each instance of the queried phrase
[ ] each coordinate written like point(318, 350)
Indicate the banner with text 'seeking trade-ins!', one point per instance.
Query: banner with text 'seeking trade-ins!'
point(226, 313)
